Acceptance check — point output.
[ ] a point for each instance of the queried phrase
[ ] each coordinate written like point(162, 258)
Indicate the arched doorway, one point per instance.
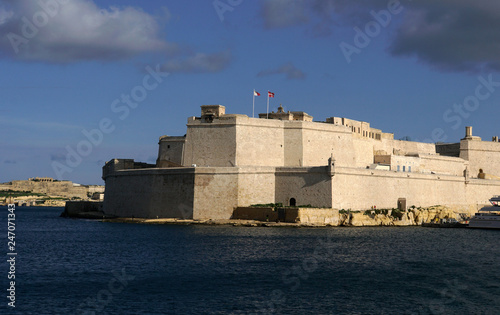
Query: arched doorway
point(293, 202)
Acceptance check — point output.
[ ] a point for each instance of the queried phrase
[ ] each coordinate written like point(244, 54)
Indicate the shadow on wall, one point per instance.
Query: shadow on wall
point(315, 176)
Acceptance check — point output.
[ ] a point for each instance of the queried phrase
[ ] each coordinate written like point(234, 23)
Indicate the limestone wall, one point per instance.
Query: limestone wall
point(194, 193)
point(321, 140)
point(360, 189)
point(400, 147)
point(256, 185)
point(479, 191)
point(150, 193)
point(211, 144)
point(255, 213)
point(363, 152)
point(215, 193)
point(218, 191)
point(237, 140)
point(443, 164)
point(293, 149)
point(170, 149)
point(308, 186)
point(307, 216)
point(481, 155)
point(319, 216)
point(259, 142)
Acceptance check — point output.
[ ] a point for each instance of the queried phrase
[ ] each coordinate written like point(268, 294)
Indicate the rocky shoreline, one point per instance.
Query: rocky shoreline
point(411, 217)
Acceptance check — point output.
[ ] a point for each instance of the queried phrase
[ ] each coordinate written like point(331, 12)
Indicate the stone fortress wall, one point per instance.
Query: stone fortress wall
point(228, 160)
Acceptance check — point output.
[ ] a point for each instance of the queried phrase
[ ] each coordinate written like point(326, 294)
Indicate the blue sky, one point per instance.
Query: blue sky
point(415, 68)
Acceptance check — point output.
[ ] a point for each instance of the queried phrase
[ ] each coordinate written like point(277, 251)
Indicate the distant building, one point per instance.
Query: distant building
point(51, 187)
point(41, 179)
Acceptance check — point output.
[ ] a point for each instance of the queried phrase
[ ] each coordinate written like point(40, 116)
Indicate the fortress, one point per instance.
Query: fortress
point(226, 161)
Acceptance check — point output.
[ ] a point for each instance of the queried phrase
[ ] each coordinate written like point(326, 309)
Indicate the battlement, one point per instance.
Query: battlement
point(360, 128)
point(282, 115)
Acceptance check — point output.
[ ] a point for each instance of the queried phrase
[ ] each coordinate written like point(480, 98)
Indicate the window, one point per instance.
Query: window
point(398, 168)
point(404, 168)
point(409, 169)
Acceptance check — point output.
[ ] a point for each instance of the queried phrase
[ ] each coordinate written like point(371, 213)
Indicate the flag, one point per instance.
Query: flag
point(270, 94)
point(255, 93)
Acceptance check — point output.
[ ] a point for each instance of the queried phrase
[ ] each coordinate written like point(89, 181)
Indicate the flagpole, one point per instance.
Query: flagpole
point(267, 115)
point(253, 105)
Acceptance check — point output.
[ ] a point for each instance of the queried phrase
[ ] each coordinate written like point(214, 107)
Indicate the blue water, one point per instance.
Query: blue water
point(67, 266)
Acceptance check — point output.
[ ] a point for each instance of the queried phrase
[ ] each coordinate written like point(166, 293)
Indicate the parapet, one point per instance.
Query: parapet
point(172, 139)
point(361, 129)
point(122, 164)
point(282, 115)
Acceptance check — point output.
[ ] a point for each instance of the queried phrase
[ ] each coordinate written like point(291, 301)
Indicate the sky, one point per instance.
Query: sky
point(86, 81)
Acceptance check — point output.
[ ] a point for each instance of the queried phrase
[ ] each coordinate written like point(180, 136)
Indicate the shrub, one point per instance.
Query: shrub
point(397, 214)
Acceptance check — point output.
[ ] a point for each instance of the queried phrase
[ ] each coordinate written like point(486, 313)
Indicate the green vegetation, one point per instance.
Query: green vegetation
point(275, 206)
point(397, 214)
point(268, 205)
point(280, 205)
point(381, 211)
point(344, 211)
point(41, 197)
point(13, 193)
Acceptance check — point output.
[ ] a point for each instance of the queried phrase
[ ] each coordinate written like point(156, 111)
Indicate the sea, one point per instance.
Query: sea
point(74, 266)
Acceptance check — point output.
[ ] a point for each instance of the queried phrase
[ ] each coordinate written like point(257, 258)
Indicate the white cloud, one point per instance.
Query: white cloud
point(38, 125)
point(450, 35)
point(76, 30)
point(288, 69)
point(199, 63)
point(5, 15)
point(284, 13)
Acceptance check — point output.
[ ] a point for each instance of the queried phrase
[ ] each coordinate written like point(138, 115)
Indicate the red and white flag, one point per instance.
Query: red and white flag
point(270, 94)
point(255, 93)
